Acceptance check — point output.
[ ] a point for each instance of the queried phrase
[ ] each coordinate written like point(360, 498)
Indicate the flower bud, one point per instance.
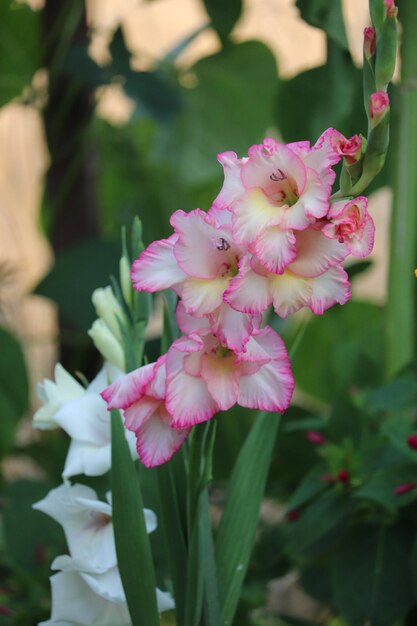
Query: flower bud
point(378, 106)
point(293, 515)
point(125, 282)
point(369, 41)
point(390, 9)
point(315, 437)
point(108, 309)
point(412, 442)
point(343, 476)
point(351, 149)
point(107, 344)
point(404, 488)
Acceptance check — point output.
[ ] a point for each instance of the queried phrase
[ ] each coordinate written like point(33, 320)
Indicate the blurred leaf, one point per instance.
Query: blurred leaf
point(380, 487)
point(372, 575)
point(152, 91)
point(240, 516)
point(397, 428)
point(310, 486)
point(327, 15)
point(330, 94)
point(395, 395)
point(356, 269)
point(131, 537)
point(77, 272)
point(14, 388)
point(316, 581)
point(172, 55)
point(340, 348)
point(32, 538)
point(319, 518)
point(19, 48)
point(223, 15)
point(81, 66)
point(235, 90)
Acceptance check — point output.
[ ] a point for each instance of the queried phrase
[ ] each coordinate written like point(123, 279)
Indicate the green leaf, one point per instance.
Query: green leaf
point(240, 517)
point(342, 341)
point(395, 395)
point(76, 273)
point(19, 48)
point(357, 269)
point(327, 15)
point(14, 388)
point(372, 575)
point(310, 486)
point(132, 541)
point(334, 95)
point(397, 429)
point(234, 89)
point(223, 15)
point(381, 485)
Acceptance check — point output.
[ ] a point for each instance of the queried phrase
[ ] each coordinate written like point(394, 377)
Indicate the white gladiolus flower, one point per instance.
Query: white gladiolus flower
point(53, 394)
point(107, 344)
point(88, 590)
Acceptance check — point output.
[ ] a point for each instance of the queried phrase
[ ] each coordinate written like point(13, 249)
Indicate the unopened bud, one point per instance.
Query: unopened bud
point(378, 106)
point(369, 41)
point(293, 515)
point(125, 281)
point(390, 8)
point(108, 309)
point(343, 476)
point(404, 488)
point(412, 442)
point(107, 344)
point(315, 437)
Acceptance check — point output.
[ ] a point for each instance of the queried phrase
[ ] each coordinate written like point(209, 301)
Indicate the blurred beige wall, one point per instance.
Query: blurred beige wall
point(151, 29)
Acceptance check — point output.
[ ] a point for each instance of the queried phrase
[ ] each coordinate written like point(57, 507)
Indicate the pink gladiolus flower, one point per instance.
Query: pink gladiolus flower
point(254, 289)
point(204, 376)
point(275, 190)
point(391, 9)
point(349, 149)
point(351, 224)
point(198, 261)
point(141, 395)
point(378, 105)
point(369, 41)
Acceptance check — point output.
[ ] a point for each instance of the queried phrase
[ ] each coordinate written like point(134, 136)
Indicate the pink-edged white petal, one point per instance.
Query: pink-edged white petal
point(232, 185)
point(188, 323)
point(316, 253)
point(221, 376)
point(351, 223)
point(157, 440)
point(270, 388)
point(362, 244)
point(252, 213)
point(232, 327)
point(275, 248)
point(269, 166)
point(202, 296)
point(156, 268)
point(289, 292)
point(131, 387)
point(140, 412)
point(188, 400)
point(203, 249)
point(249, 291)
point(328, 289)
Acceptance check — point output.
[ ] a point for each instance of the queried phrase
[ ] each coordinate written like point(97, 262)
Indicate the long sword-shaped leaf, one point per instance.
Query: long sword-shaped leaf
point(132, 542)
point(238, 525)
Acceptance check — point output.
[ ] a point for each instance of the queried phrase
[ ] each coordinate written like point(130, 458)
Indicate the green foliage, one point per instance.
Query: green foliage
point(14, 388)
point(76, 273)
point(223, 15)
point(327, 15)
point(19, 48)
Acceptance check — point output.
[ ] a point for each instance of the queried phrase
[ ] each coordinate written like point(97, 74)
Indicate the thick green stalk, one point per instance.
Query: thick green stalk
point(401, 316)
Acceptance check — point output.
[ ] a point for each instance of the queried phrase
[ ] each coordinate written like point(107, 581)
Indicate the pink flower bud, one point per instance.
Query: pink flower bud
point(412, 442)
point(351, 149)
point(378, 104)
point(343, 476)
point(369, 41)
point(4, 610)
point(404, 488)
point(315, 437)
point(293, 515)
point(391, 9)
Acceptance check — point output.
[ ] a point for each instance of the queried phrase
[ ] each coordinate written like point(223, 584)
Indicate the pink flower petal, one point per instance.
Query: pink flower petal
point(129, 388)
point(156, 268)
point(232, 327)
point(289, 292)
point(252, 213)
point(188, 323)
point(232, 186)
point(202, 296)
point(221, 376)
point(316, 253)
point(249, 291)
point(329, 288)
point(140, 412)
point(157, 440)
point(275, 248)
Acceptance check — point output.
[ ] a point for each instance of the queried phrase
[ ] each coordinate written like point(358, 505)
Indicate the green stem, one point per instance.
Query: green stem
point(401, 316)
